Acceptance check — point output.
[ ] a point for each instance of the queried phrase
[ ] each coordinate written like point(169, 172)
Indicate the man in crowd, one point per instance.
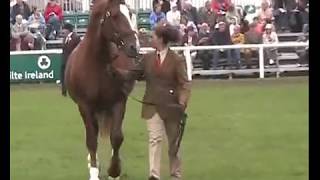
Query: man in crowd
point(165, 5)
point(221, 36)
point(204, 55)
point(21, 37)
point(156, 16)
point(270, 37)
point(20, 8)
point(282, 12)
point(265, 13)
point(189, 13)
point(70, 42)
point(206, 15)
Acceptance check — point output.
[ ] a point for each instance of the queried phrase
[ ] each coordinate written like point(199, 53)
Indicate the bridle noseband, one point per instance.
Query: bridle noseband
point(117, 38)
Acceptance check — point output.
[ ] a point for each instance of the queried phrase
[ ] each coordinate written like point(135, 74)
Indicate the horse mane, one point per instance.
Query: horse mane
point(94, 27)
point(98, 10)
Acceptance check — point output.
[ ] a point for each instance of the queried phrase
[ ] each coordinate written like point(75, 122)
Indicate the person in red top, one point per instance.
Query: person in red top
point(220, 5)
point(53, 17)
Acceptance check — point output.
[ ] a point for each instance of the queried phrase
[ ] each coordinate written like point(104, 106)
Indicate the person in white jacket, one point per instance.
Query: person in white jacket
point(174, 16)
point(270, 37)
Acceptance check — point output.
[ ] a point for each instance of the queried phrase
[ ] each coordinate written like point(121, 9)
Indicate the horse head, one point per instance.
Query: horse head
point(117, 27)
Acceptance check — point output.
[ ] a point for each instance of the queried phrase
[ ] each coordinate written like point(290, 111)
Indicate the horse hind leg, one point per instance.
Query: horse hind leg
point(91, 126)
point(116, 138)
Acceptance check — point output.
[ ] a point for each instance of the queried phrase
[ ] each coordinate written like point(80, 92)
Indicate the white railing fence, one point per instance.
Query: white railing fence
point(188, 49)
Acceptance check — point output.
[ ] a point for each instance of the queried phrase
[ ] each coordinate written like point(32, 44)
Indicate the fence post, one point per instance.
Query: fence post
point(187, 55)
point(261, 62)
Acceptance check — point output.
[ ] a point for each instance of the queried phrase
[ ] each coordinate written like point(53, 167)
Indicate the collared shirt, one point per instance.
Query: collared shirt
point(162, 54)
point(68, 38)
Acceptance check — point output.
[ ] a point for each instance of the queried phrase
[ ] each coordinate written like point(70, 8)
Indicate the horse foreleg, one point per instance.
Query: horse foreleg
point(116, 138)
point(91, 126)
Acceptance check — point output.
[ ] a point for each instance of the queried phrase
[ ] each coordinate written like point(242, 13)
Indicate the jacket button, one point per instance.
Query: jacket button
point(171, 91)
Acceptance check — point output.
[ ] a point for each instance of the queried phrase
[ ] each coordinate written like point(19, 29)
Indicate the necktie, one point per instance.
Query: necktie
point(158, 61)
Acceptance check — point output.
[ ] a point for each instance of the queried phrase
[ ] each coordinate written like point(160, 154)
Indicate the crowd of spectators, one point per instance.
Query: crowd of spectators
point(30, 28)
point(219, 22)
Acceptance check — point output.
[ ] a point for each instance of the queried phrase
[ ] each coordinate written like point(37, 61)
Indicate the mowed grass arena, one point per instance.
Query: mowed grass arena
point(237, 130)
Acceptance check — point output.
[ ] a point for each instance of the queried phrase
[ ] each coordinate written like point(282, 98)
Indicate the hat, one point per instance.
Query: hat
point(269, 26)
point(68, 26)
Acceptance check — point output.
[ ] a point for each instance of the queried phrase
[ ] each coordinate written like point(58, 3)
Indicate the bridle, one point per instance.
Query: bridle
point(118, 38)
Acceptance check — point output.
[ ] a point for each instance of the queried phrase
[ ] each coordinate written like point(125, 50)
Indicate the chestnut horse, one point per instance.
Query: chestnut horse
point(99, 79)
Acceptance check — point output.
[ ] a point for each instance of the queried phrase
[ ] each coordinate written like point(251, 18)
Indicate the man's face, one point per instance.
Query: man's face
point(156, 41)
point(208, 5)
point(222, 27)
point(19, 1)
point(19, 19)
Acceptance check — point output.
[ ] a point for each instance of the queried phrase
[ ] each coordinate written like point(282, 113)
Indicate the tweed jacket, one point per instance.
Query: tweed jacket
point(165, 86)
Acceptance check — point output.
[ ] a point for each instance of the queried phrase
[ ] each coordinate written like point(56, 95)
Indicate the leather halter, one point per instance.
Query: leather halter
point(117, 38)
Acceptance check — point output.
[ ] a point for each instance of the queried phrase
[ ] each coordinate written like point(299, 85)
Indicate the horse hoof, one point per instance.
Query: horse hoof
point(116, 178)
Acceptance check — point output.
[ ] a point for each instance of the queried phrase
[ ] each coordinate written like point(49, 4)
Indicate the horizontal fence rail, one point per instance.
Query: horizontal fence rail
point(187, 51)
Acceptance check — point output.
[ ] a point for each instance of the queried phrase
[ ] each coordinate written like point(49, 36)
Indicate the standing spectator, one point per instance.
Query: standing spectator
point(70, 42)
point(220, 5)
point(53, 17)
point(204, 55)
point(270, 37)
point(221, 37)
point(206, 15)
point(189, 12)
point(265, 13)
point(165, 5)
point(174, 16)
point(156, 16)
point(232, 13)
point(251, 37)
point(21, 8)
point(237, 38)
point(20, 34)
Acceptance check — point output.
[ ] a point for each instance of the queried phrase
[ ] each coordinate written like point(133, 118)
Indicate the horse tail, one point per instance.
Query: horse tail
point(104, 124)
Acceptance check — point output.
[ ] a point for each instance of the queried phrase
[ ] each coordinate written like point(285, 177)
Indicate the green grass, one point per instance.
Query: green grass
point(237, 130)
